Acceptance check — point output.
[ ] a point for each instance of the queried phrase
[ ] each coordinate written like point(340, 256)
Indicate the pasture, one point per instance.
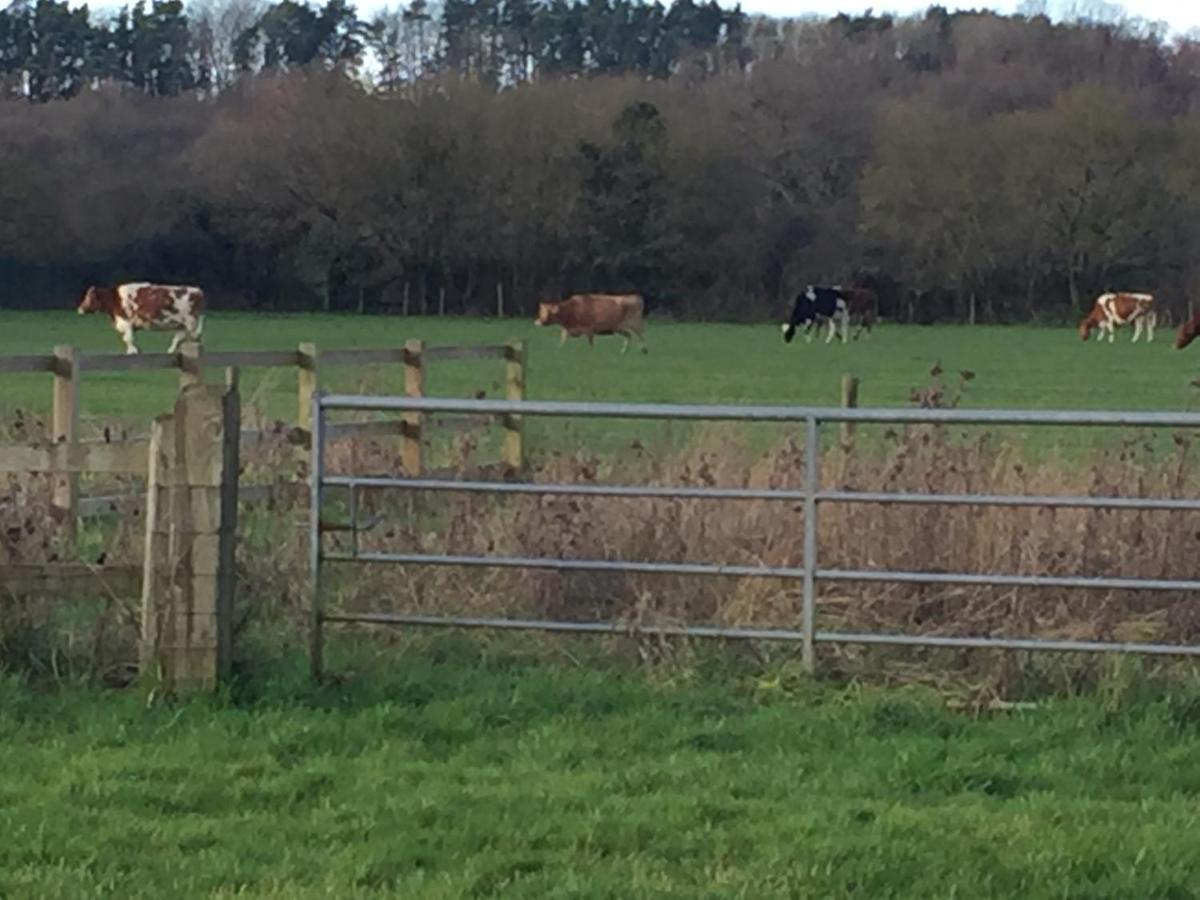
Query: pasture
point(1011, 367)
point(1017, 366)
point(444, 770)
point(443, 767)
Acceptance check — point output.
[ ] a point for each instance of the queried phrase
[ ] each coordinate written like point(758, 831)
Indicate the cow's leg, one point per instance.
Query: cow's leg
point(625, 342)
point(1137, 329)
point(1151, 321)
point(562, 338)
point(125, 329)
point(832, 329)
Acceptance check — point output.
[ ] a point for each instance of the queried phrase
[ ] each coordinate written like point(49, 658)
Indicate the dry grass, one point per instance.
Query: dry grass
point(272, 554)
point(947, 539)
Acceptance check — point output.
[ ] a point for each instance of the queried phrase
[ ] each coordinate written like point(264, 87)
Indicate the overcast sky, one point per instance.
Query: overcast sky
point(1180, 15)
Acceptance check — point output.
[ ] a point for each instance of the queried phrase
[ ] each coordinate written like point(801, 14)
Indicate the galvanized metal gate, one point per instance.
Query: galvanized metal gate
point(812, 418)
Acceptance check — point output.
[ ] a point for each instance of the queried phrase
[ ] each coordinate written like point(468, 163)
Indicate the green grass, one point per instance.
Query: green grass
point(1024, 367)
point(446, 771)
point(1015, 367)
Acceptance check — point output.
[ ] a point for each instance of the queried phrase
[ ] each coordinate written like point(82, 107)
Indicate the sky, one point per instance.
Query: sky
point(1180, 15)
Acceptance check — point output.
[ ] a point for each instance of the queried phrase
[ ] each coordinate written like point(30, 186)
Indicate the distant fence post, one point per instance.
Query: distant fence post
point(306, 383)
point(190, 371)
point(515, 357)
point(849, 401)
point(191, 524)
point(414, 386)
point(65, 498)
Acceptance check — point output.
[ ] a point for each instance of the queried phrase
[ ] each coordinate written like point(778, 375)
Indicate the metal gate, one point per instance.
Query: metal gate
point(812, 418)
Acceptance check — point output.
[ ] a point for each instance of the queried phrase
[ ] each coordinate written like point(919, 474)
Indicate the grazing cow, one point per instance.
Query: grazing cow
point(1188, 332)
point(1113, 309)
point(862, 306)
point(593, 314)
point(151, 307)
point(813, 304)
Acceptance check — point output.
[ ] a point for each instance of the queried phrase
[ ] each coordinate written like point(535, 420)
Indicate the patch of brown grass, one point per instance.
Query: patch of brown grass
point(272, 557)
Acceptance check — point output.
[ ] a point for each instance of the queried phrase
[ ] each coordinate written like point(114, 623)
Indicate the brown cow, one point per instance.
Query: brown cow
point(593, 314)
point(1113, 309)
point(862, 306)
point(1188, 332)
point(154, 307)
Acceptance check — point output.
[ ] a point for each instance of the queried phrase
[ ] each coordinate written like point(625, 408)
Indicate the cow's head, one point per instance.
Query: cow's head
point(90, 302)
point(802, 314)
point(547, 314)
point(1188, 332)
point(1085, 328)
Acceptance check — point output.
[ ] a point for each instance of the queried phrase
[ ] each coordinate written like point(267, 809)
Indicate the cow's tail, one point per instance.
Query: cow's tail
point(639, 308)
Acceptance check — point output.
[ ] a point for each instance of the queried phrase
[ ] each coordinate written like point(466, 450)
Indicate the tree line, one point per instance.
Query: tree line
point(476, 156)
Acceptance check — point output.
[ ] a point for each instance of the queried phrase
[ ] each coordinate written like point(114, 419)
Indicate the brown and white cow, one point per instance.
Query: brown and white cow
point(862, 307)
point(140, 306)
point(1113, 309)
point(1188, 332)
point(593, 314)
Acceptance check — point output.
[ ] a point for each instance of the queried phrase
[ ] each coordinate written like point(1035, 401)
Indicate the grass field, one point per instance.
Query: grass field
point(1014, 367)
point(449, 771)
point(1020, 367)
point(444, 768)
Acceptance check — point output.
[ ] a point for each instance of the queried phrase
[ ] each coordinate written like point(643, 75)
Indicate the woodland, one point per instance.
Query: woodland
point(475, 156)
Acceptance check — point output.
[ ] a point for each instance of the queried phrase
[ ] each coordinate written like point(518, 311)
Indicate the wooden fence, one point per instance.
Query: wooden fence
point(67, 456)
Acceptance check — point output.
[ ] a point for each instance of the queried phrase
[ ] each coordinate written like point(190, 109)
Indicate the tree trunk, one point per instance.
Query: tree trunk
point(971, 308)
point(469, 288)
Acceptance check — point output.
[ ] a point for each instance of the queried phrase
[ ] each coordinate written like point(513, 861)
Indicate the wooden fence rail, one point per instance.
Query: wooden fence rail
point(68, 456)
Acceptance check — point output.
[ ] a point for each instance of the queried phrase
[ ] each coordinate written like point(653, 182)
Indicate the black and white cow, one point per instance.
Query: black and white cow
point(813, 304)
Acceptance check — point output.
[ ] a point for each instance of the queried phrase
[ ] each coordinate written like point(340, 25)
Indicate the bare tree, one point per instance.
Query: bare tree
point(217, 24)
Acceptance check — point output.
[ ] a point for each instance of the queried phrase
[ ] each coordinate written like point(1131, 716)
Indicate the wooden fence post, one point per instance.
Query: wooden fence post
point(65, 498)
point(191, 525)
point(515, 356)
point(414, 386)
point(190, 367)
point(306, 383)
point(849, 401)
point(231, 458)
